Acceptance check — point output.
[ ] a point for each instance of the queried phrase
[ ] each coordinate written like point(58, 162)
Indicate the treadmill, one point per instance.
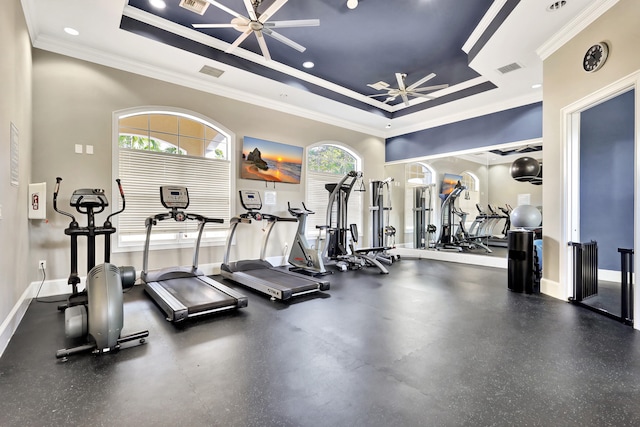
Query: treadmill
point(259, 274)
point(185, 292)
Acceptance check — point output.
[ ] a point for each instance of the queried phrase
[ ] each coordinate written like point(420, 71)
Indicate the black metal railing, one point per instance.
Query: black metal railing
point(585, 280)
point(626, 285)
point(585, 270)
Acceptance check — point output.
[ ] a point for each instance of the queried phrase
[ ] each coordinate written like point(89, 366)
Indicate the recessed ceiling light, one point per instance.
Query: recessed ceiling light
point(158, 4)
point(71, 31)
point(536, 86)
point(352, 4)
point(388, 125)
point(308, 64)
point(556, 5)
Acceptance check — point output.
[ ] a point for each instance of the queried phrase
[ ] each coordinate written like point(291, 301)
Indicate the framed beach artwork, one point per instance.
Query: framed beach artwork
point(270, 161)
point(449, 182)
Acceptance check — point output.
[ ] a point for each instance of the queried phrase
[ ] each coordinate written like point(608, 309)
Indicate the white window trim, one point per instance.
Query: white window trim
point(217, 239)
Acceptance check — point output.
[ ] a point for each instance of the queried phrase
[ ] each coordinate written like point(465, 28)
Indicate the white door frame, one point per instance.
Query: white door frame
point(571, 185)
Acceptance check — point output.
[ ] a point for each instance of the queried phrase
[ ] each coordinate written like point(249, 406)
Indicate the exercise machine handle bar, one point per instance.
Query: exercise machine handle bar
point(178, 216)
point(108, 220)
point(299, 211)
point(55, 203)
point(90, 231)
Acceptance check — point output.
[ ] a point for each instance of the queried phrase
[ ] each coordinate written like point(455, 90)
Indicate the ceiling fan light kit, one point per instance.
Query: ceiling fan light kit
point(405, 91)
point(259, 24)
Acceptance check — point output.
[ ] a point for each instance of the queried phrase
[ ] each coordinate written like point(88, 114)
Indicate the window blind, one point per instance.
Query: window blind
point(143, 172)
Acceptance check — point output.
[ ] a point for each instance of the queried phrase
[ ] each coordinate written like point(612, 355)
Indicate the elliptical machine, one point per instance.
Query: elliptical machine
point(97, 311)
point(303, 257)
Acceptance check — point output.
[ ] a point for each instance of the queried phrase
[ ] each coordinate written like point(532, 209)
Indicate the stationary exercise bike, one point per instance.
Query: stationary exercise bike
point(96, 312)
point(303, 257)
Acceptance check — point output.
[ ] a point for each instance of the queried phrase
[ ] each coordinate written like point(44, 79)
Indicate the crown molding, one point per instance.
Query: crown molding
point(574, 27)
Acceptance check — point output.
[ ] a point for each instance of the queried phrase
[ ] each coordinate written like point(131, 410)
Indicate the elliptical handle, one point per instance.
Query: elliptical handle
point(123, 201)
point(309, 211)
point(55, 201)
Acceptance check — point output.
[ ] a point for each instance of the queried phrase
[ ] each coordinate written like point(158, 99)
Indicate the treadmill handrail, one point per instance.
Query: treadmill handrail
point(152, 220)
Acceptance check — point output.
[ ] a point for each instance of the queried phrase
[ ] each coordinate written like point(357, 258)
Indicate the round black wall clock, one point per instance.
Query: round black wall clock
point(595, 57)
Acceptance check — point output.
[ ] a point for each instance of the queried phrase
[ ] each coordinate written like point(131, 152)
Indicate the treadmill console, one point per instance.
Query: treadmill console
point(250, 200)
point(174, 197)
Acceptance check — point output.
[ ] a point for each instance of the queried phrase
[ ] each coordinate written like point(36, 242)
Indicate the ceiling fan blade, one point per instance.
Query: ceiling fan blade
point(225, 8)
point(427, 88)
point(389, 99)
point(263, 45)
point(239, 40)
point(212, 25)
point(379, 85)
point(293, 23)
point(284, 39)
point(400, 79)
point(250, 10)
point(422, 80)
point(405, 99)
point(422, 95)
point(264, 16)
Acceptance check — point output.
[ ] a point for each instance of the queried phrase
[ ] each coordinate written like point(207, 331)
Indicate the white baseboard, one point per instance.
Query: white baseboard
point(10, 324)
point(609, 275)
point(461, 257)
point(553, 289)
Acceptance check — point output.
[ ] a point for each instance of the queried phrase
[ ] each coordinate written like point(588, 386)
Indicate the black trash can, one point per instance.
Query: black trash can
point(521, 272)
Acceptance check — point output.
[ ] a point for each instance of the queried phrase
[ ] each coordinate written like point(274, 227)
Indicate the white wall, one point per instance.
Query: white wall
point(16, 270)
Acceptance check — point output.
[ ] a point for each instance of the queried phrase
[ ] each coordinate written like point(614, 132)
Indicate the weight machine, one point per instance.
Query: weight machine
point(340, 235)
point(423, 229)
point(384, 234)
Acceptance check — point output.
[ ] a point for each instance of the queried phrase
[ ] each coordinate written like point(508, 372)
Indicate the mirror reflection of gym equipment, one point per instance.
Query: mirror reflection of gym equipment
point(491, 195)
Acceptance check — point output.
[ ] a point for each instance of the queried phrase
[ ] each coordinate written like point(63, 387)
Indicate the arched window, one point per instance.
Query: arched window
point(328, 163)
point(471, 181)
point(166, 146)
point(471, 196)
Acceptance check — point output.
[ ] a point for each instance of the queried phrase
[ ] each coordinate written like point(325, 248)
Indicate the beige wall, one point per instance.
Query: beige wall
point(73, 104)
point(16, 271)
point(565, 83)
point(503, 189)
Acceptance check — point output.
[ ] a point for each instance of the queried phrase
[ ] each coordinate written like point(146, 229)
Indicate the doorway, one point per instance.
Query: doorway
point(602, 186)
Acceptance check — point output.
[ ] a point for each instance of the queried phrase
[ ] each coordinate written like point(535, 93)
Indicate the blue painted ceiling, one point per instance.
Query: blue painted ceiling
point(350, 48)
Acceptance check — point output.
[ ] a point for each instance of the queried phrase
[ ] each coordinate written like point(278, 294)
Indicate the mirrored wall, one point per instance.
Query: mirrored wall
point(488, 189)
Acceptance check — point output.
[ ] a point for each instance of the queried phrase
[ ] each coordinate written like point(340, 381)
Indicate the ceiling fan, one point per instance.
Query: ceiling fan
point(405, 91)
point(259, 24)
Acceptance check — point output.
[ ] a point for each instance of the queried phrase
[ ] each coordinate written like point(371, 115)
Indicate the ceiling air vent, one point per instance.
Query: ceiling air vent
point(509, 68)
point(210, 71)
point(196, 6)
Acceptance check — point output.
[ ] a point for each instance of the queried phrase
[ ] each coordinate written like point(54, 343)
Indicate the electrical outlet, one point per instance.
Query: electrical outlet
point(42, 264)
